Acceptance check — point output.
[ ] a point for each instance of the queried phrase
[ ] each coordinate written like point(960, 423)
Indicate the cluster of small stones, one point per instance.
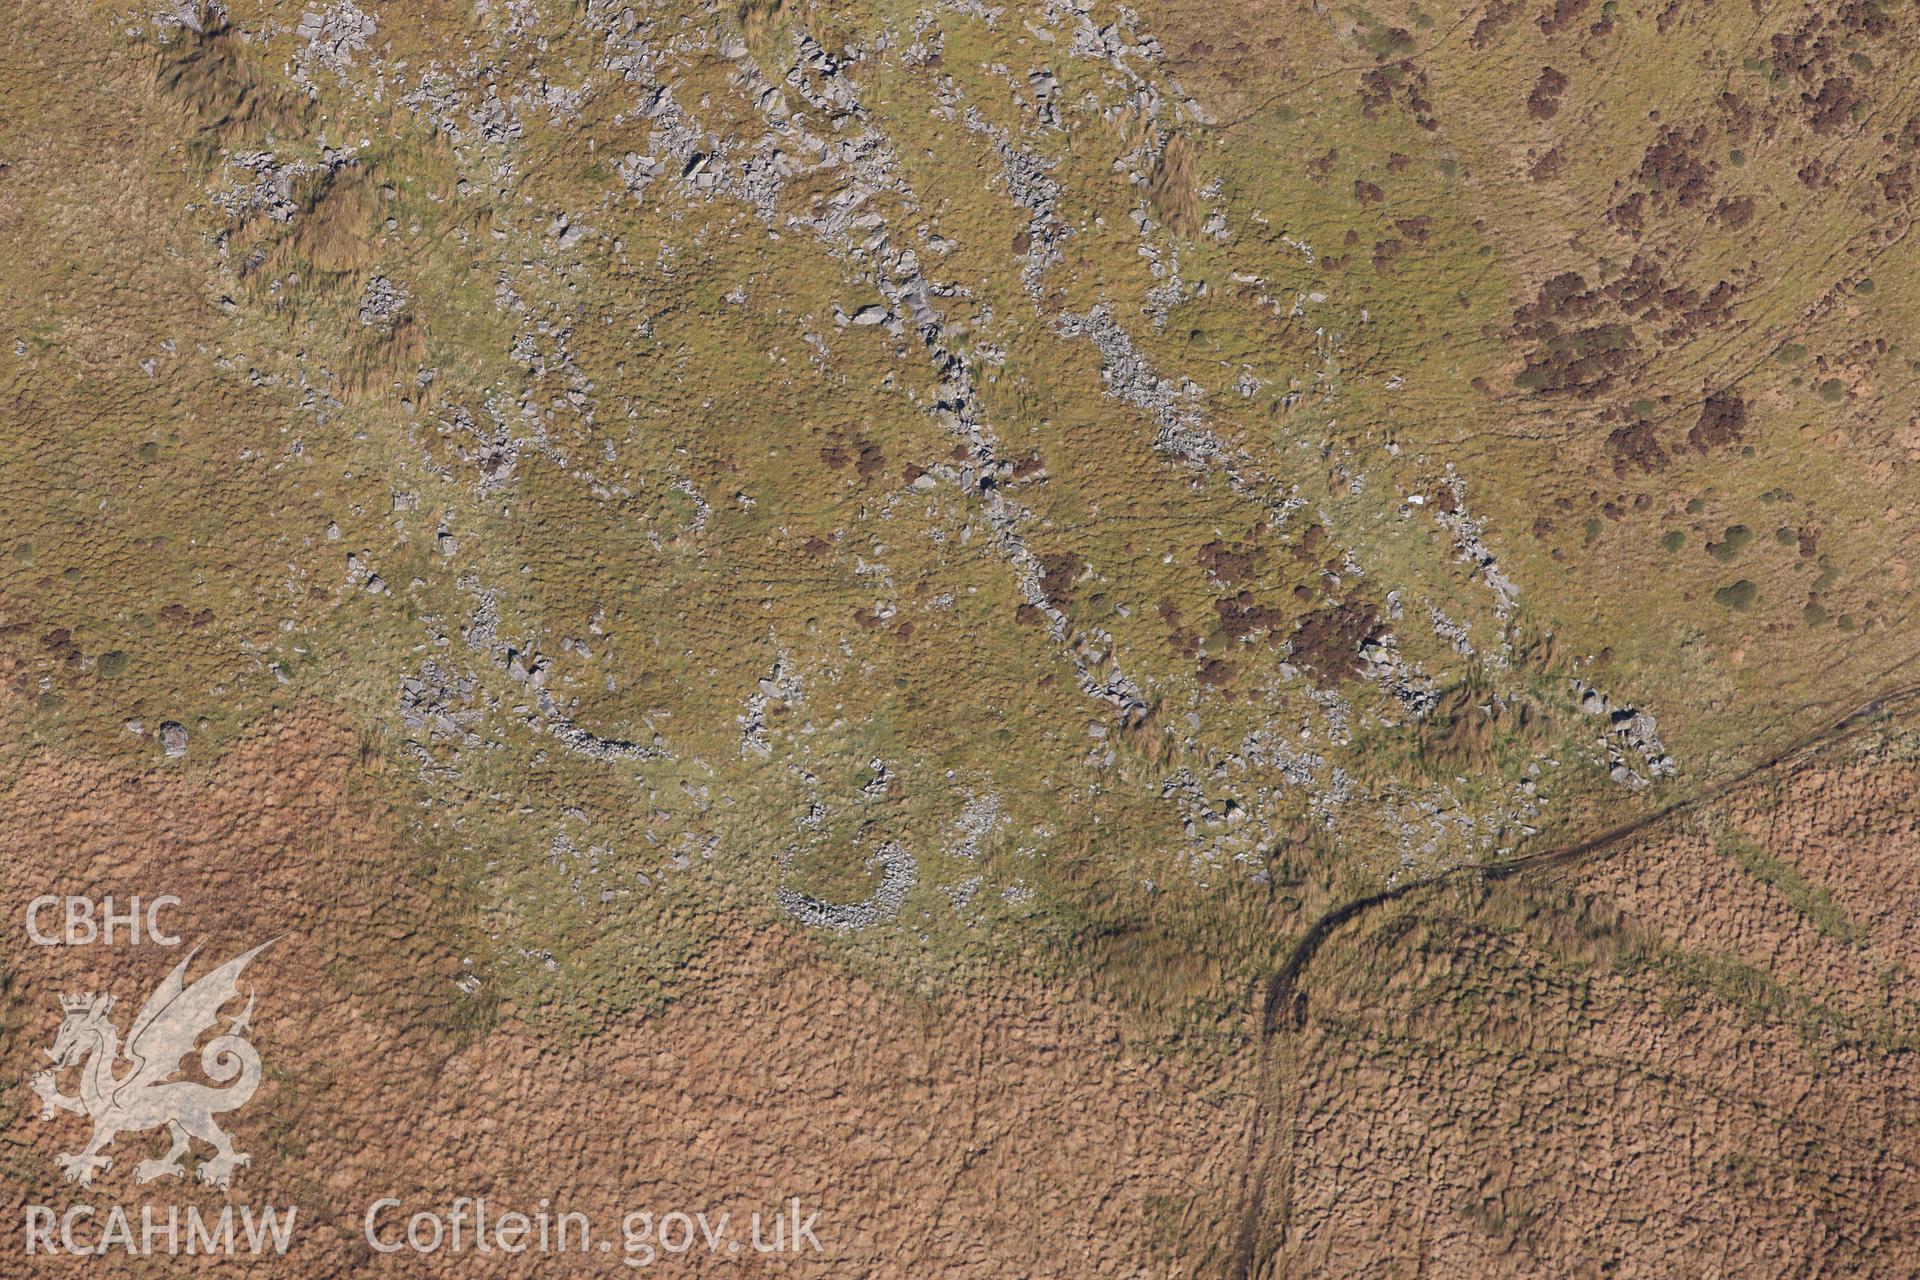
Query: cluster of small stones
point(978, 818)
point(1227, 829)
point(441, 704)
point(782, 684)
point(585, 869)
point(382, 303)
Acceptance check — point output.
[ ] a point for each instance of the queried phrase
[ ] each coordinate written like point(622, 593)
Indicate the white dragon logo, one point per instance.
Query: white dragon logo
point(162, 1035)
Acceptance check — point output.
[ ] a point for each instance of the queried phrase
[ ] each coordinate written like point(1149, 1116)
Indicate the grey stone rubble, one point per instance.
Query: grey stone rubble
point(1628, 732)
point(440, 704)
point(490, 444)
point(962, 892)
point(1175, 406)
point(853, 226)
point(1455, 634)
point(1469, 543)
point(1297, 767)
point(902, 283)
point(581, 742)
point(1183, 435)
point(587, 870)
point(1129, 377)
point(782, 684)
point(176, 14)
point(382, 303)
point(524, 666)
point(1404, 682)
point(1232, 828)
point(1030, 185)
point(899, 873)
point(268, 185)
point(328, 40)
point(977, 820)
